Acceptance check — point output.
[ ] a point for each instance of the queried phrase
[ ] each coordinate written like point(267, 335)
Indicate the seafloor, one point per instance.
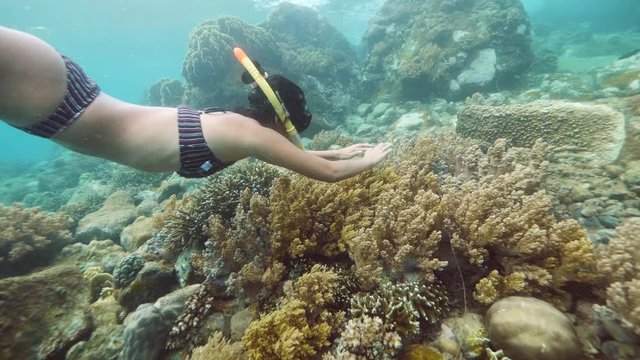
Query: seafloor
point(506, 224)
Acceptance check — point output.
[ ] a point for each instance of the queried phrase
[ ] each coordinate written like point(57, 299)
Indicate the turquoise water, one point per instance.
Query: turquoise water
point(465, 213)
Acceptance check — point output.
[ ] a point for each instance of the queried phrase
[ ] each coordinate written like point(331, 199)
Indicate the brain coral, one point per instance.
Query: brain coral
point(591, 130)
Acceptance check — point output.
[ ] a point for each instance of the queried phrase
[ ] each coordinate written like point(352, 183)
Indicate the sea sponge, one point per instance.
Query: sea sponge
point(526, 328)
point(591, 130)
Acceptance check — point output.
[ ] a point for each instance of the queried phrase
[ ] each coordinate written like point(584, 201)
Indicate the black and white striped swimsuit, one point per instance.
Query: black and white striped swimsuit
point(81, 91)
point(196, 158)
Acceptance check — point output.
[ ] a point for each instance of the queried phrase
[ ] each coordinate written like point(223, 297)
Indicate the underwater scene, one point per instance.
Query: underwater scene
point(505, 224)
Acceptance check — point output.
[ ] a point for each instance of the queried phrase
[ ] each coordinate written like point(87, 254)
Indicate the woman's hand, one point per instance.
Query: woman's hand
point(351, 151)
point(375, 154)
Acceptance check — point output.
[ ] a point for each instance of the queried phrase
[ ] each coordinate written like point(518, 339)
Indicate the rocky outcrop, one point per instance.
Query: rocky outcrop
point(43, 314)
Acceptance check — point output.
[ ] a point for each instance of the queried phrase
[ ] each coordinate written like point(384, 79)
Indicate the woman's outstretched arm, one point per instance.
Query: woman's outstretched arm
point(269, 146)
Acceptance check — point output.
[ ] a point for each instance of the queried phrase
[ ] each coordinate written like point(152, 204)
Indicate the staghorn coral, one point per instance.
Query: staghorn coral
point(218, 348)
point(403, 307)
point(303, 325)
point(29, 237)
point(185, 220)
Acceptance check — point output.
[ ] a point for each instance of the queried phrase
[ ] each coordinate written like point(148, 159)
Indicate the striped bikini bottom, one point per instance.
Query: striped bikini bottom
point(196, 159)
point(81, 91)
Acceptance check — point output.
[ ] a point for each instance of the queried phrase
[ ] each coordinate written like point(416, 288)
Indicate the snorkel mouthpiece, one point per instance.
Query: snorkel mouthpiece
point(273, 98)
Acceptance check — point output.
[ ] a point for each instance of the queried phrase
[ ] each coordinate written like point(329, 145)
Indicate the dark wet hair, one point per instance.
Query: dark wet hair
point(292, 97)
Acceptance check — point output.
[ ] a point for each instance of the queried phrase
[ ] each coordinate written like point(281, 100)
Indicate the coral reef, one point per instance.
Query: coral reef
point(102, 254)
point(316, 56)
point(106, 338)
point(209, 64)
point(116, 213)
point(30, 237)
point(528, 328)
point(595, 131)
point(450, 48)
point(166, 92)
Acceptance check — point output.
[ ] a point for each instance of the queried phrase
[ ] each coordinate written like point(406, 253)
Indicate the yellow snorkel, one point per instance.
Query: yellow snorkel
point(273, 98)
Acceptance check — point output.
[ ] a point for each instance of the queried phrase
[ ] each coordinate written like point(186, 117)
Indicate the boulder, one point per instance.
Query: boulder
point(526, 328)
point(117, 212)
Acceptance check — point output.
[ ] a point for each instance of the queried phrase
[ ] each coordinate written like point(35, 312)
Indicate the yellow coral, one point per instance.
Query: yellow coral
point(29, 232)
point(302, 325)
point(218, 348)
point(287, 333)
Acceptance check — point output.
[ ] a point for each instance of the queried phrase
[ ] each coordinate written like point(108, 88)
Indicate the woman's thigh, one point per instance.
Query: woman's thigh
point(32, 78)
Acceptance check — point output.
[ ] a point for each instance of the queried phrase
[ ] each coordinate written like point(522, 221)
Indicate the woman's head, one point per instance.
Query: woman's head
point(293, 100)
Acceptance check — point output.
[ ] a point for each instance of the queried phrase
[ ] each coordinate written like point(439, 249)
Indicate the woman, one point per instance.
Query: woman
point(48, 95)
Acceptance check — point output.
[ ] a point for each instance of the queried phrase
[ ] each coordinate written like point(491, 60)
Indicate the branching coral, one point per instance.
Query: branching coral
point(242, 247)
point(366, 337)
point(620, 259)
point(403, 307)
point(29, 236)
